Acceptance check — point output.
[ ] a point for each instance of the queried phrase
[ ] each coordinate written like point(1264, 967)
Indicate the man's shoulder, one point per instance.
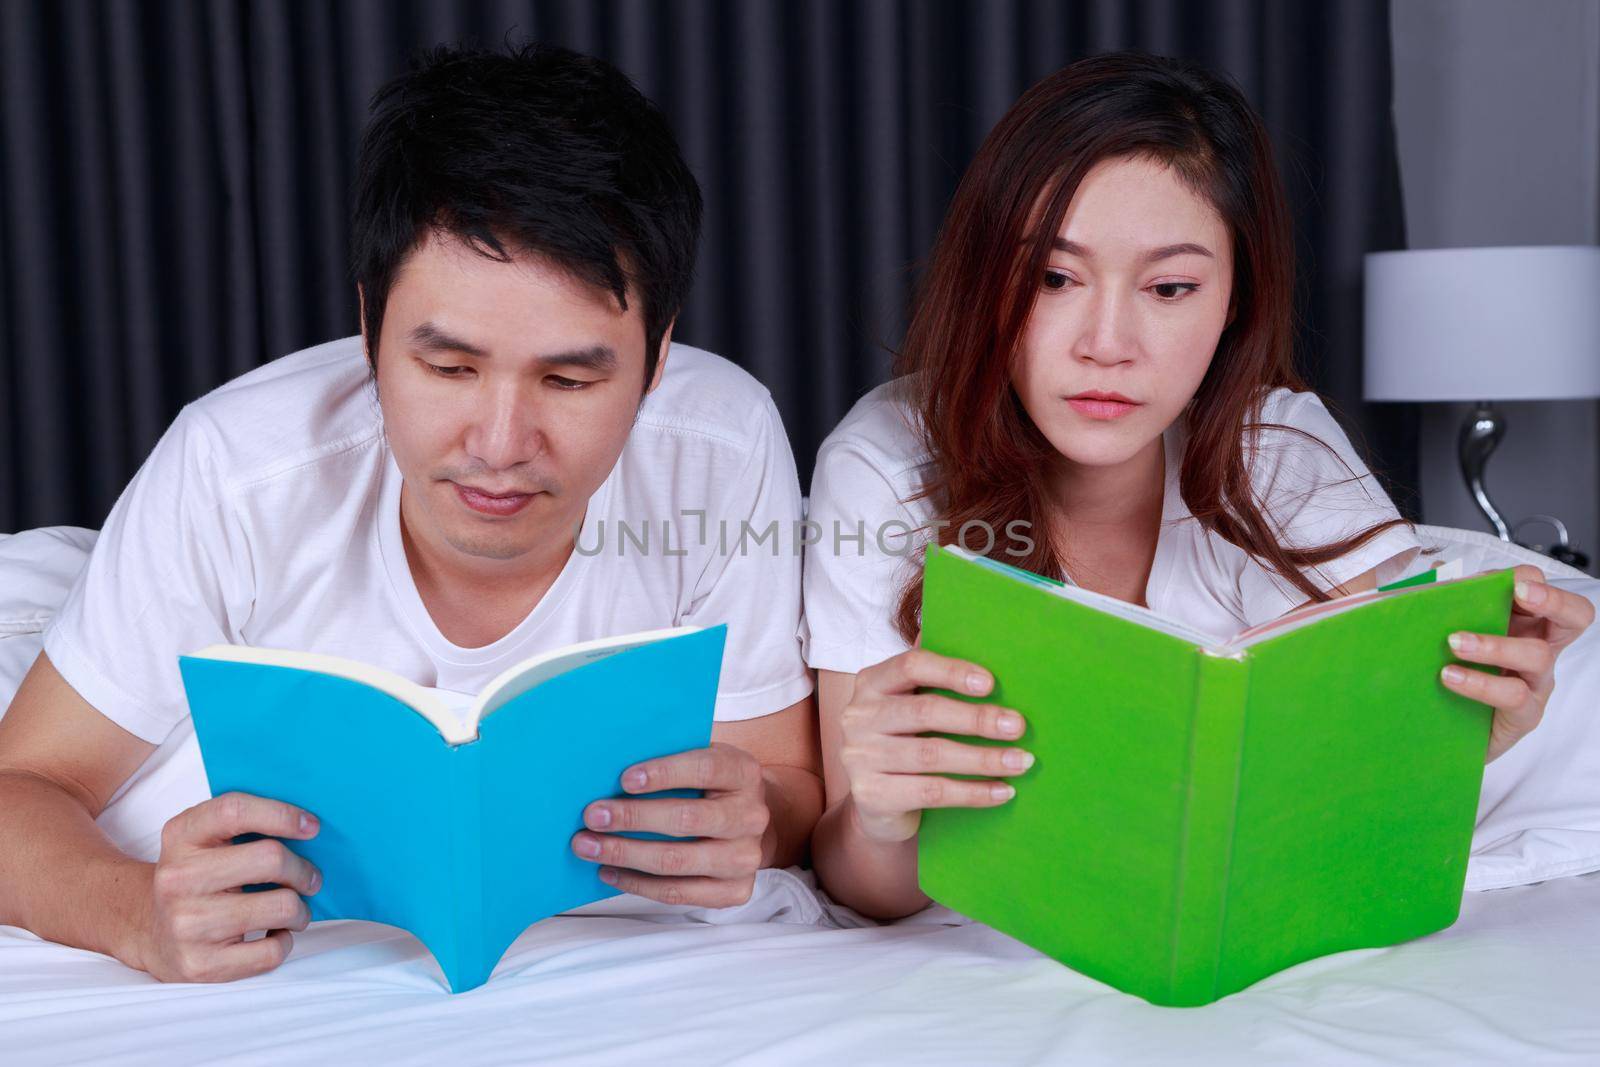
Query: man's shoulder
point(291, 411)
point(703, 396)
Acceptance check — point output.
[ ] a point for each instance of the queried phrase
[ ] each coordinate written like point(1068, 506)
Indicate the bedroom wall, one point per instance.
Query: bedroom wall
point(1497, 111)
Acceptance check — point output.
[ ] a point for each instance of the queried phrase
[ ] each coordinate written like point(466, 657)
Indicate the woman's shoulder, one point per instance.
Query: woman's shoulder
point(881, 430)
point(1295, 427)
point(1294, 408)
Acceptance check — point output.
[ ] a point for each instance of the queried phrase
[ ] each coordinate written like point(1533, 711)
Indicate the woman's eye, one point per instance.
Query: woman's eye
point(1054, 279)
point(1174, 291)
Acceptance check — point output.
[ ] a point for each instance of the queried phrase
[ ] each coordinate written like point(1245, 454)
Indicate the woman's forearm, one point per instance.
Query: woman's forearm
point(876, 878)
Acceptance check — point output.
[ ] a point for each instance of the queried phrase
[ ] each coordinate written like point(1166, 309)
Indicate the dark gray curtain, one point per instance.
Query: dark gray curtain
point(174, 175)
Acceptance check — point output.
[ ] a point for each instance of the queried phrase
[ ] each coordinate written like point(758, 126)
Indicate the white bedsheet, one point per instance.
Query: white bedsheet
point(1515, 980)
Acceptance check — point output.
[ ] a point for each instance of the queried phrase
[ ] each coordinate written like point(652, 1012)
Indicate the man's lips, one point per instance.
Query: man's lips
point(1095, 404)
point(487, 503)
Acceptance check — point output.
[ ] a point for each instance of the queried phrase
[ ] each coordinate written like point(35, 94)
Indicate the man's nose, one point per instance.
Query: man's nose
point(505, 430)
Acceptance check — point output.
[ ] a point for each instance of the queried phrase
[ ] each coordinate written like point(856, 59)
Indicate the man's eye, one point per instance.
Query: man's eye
point(566, 383)
point(1054, 279)
point(1172, 292)
point(448, 372)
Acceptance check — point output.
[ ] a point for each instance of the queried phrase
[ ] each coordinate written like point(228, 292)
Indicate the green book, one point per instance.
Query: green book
point(1205, 810)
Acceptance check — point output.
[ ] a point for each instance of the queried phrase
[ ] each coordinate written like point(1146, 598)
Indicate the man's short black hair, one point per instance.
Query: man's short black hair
point(537, 150)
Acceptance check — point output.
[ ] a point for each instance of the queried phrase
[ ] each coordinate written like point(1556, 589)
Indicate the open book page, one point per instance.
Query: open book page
point(1110, 605)
point(1311, 613)
point(429, 703)
point(517, 680)
point(1154, 620)
point(455, 715)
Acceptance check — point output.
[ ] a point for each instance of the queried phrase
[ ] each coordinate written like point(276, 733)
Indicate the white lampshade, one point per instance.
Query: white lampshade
point(1483, 324)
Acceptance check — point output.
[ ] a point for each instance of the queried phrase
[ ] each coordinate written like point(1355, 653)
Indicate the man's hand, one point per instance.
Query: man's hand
point(199, 914)
point(725, 829)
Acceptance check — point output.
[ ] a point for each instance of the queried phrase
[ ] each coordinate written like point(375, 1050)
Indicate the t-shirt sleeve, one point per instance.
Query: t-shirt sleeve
point(752, 581)
point(168, 576)
point(1316, 490)
point(866, 536)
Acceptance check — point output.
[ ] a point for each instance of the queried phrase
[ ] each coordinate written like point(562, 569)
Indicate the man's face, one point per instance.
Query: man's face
point(508, 390)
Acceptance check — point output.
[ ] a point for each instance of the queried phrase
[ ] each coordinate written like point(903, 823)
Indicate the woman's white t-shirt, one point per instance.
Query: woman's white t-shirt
point(869, 526)
point(268, 515)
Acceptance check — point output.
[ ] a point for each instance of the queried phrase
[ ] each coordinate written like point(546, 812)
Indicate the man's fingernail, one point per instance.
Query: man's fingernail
point(588, 847)
point(1455, 674)
point(1530, 592)
point(1001, 792)
point(1463, 642)
point(316, 882)
point(1010, 723)
point(1016, 759)
point(635, 779)
point(977, 682)
point(599, 817)
point(608, 876)
point(308, 823)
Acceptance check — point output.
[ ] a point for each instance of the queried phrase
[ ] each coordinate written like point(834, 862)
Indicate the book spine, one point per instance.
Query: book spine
point(1216, 741)
point(466, 856)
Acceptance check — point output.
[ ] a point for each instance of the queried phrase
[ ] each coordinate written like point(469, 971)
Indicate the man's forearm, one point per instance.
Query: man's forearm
point(61, 877)
point(794, 799)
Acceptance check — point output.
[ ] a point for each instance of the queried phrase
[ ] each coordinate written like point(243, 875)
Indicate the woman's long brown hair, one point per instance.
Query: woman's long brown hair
point(988, 460)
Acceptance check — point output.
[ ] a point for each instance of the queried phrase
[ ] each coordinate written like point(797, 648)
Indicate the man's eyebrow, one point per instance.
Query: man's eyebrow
point(601, 359)
point(1187, 248)
point(430, 338)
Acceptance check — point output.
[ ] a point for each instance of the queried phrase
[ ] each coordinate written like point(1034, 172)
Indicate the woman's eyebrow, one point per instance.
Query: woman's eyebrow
point(1187, 248)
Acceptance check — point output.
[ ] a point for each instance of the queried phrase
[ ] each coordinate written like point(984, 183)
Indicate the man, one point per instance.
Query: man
point(442, 496)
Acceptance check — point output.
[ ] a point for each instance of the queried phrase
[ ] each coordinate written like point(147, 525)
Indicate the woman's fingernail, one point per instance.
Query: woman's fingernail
point(1530, 592)
point(1463, 642)
point(977, 682)
point(635, 779)
point(608, 876)
point(1017, 759)
point(1001, 792)
point(1010, 723)
point(599, 817)
point(588, 847)
point(316, 882)
point(308, 823)
point(1455, 674)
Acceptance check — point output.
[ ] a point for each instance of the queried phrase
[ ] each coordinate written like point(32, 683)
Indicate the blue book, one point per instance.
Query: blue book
point(451, 818)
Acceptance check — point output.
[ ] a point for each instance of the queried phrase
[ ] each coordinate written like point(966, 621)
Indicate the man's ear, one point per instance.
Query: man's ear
point(661, 357)
point(361, 311)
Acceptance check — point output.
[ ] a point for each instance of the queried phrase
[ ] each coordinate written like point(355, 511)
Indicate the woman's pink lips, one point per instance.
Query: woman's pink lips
point(492, 505)
point(1104, 406)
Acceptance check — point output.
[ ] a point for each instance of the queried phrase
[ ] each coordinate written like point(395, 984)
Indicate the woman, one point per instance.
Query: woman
point(1097, 386)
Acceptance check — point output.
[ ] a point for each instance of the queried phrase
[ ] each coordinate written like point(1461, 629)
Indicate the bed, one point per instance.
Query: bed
point(792, 978)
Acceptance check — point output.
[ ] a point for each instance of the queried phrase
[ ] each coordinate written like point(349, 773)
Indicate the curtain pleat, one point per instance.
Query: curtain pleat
point(175, 174)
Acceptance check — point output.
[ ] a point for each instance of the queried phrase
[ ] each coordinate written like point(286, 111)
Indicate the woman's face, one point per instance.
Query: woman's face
point(1130, 308)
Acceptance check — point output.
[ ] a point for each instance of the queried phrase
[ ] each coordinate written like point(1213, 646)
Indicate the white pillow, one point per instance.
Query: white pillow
point(1539, 812)
point(37, 569)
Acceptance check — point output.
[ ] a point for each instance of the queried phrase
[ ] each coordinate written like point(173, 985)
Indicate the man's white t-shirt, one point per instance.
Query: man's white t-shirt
point(269, 515)
point(871, 523)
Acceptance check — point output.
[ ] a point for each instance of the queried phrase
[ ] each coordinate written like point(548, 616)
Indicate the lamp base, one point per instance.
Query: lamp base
point(1480, 436)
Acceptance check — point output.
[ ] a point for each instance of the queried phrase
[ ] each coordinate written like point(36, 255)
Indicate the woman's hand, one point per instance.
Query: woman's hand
point(1544, 620)
point(893, 773)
